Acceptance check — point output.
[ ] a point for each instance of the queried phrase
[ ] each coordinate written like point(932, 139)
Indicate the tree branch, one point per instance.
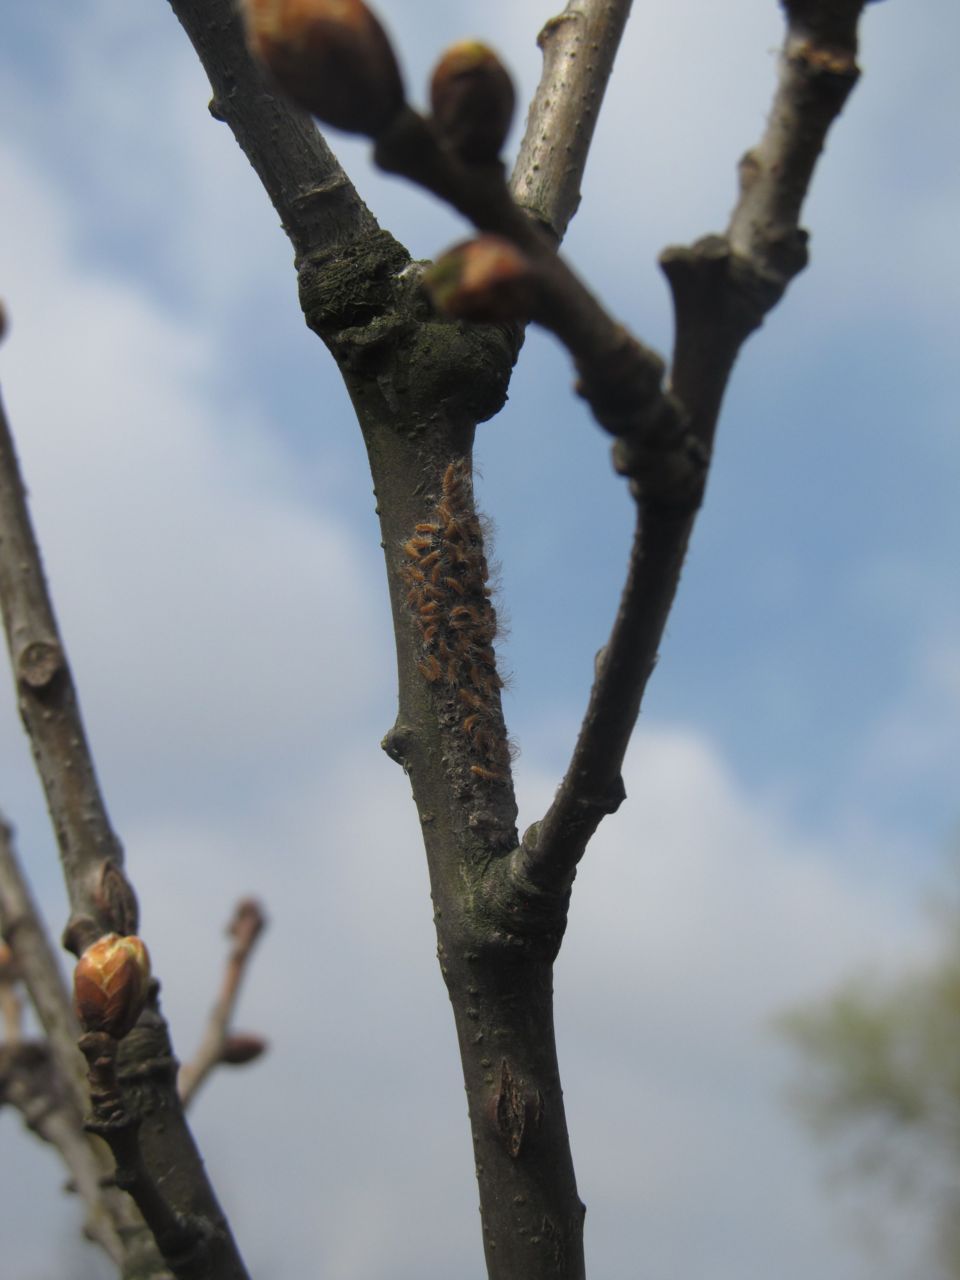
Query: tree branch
point(21, 926)
point(620, 377)
point(245, 928)
point(101, 898)
point(579, 47)
point(722, 288)
point(31, 1082)
point(113, 1220)
point(318, 205)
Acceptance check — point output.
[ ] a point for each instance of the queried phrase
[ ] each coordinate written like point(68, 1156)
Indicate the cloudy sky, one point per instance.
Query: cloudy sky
point(201, 495)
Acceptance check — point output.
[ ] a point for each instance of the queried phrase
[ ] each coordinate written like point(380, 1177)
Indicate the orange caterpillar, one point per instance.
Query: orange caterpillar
point(446, 575)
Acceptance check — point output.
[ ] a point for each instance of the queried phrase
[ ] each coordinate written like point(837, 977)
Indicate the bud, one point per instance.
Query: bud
point(110, 984)
point(9, 971)
point(330, 57)
point(241, 1048)
point(486, 280)
point(472, 98)
point(3, 322)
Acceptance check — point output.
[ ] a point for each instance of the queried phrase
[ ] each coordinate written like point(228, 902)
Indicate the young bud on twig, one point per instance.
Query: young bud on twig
point(485, 280)
point(3, 321)
point(472, 98)
point(330, 57)
point(241, 1048)
point(9, 971)
point(110, 984)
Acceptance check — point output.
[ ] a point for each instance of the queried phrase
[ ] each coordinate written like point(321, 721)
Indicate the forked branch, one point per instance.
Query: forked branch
point(722, 287)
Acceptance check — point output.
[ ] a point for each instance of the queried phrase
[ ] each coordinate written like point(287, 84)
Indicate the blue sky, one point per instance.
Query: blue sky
point(201, 494)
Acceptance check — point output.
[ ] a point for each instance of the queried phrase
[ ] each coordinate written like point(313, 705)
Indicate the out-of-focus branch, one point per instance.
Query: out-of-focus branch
point(31, 1082)
point(101, 898)
point(579, 47)
point(722, 288)
point(217, 1044)
point(11, 1007)
point(20, 924)
point(113, 1220)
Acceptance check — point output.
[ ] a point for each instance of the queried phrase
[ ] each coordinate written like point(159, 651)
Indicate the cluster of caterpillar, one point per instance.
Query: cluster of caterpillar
point(448, 592)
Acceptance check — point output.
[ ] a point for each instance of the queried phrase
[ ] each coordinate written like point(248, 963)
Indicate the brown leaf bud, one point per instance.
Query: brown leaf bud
point(9, 970)
point(241, 1048)
point(472, 98)
point(486, 280)
point(110, 984)
point(330, 57)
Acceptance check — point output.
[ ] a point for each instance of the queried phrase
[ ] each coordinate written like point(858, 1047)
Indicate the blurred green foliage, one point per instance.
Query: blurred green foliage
point(880, 1081)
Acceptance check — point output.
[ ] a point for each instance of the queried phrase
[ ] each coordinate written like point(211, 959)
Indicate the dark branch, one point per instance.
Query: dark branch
point(101, 898)
point(318, 205)
point(101, 901)
point(620, 378)
point(722, 288)
point(113, 1221)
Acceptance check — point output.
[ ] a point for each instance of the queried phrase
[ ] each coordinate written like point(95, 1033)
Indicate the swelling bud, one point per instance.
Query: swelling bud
point(330, 57)
point(486, 280)
point(241, 1048)
point(110, 984)
point(472, 99)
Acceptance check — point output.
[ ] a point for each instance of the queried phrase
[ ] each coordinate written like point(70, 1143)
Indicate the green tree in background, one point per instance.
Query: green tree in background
point(880, 1082)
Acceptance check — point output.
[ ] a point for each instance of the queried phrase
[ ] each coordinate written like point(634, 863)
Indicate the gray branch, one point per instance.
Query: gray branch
point(722, 287)
point(579, 47)
point(102, 899)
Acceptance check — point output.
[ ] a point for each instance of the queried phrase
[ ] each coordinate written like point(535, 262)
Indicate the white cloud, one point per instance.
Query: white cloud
point(699, 913)
point(208, 608)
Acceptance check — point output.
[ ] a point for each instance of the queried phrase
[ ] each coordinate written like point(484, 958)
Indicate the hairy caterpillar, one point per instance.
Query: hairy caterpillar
point(447, 578)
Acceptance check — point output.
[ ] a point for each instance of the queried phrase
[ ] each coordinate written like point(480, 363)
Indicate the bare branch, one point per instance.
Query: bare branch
point(579, 47)
point(722, 288)
point(31, 1082)
point(90, 852)
point(21, 925)
point(11, 1006)
point(181, 1237)
point(318, 205)
point(245, 928)
point(620, 378)
point(101, 898)
point(112, 1219)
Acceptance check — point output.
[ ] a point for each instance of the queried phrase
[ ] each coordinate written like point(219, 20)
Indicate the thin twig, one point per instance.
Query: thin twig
point(245, 928)
point(722, 288)
point(101, 898)
point(31, 1082)
point(112, 1218)
point(21, 925)
point(11, 1006)
point(579, 47)
point(101, 901)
